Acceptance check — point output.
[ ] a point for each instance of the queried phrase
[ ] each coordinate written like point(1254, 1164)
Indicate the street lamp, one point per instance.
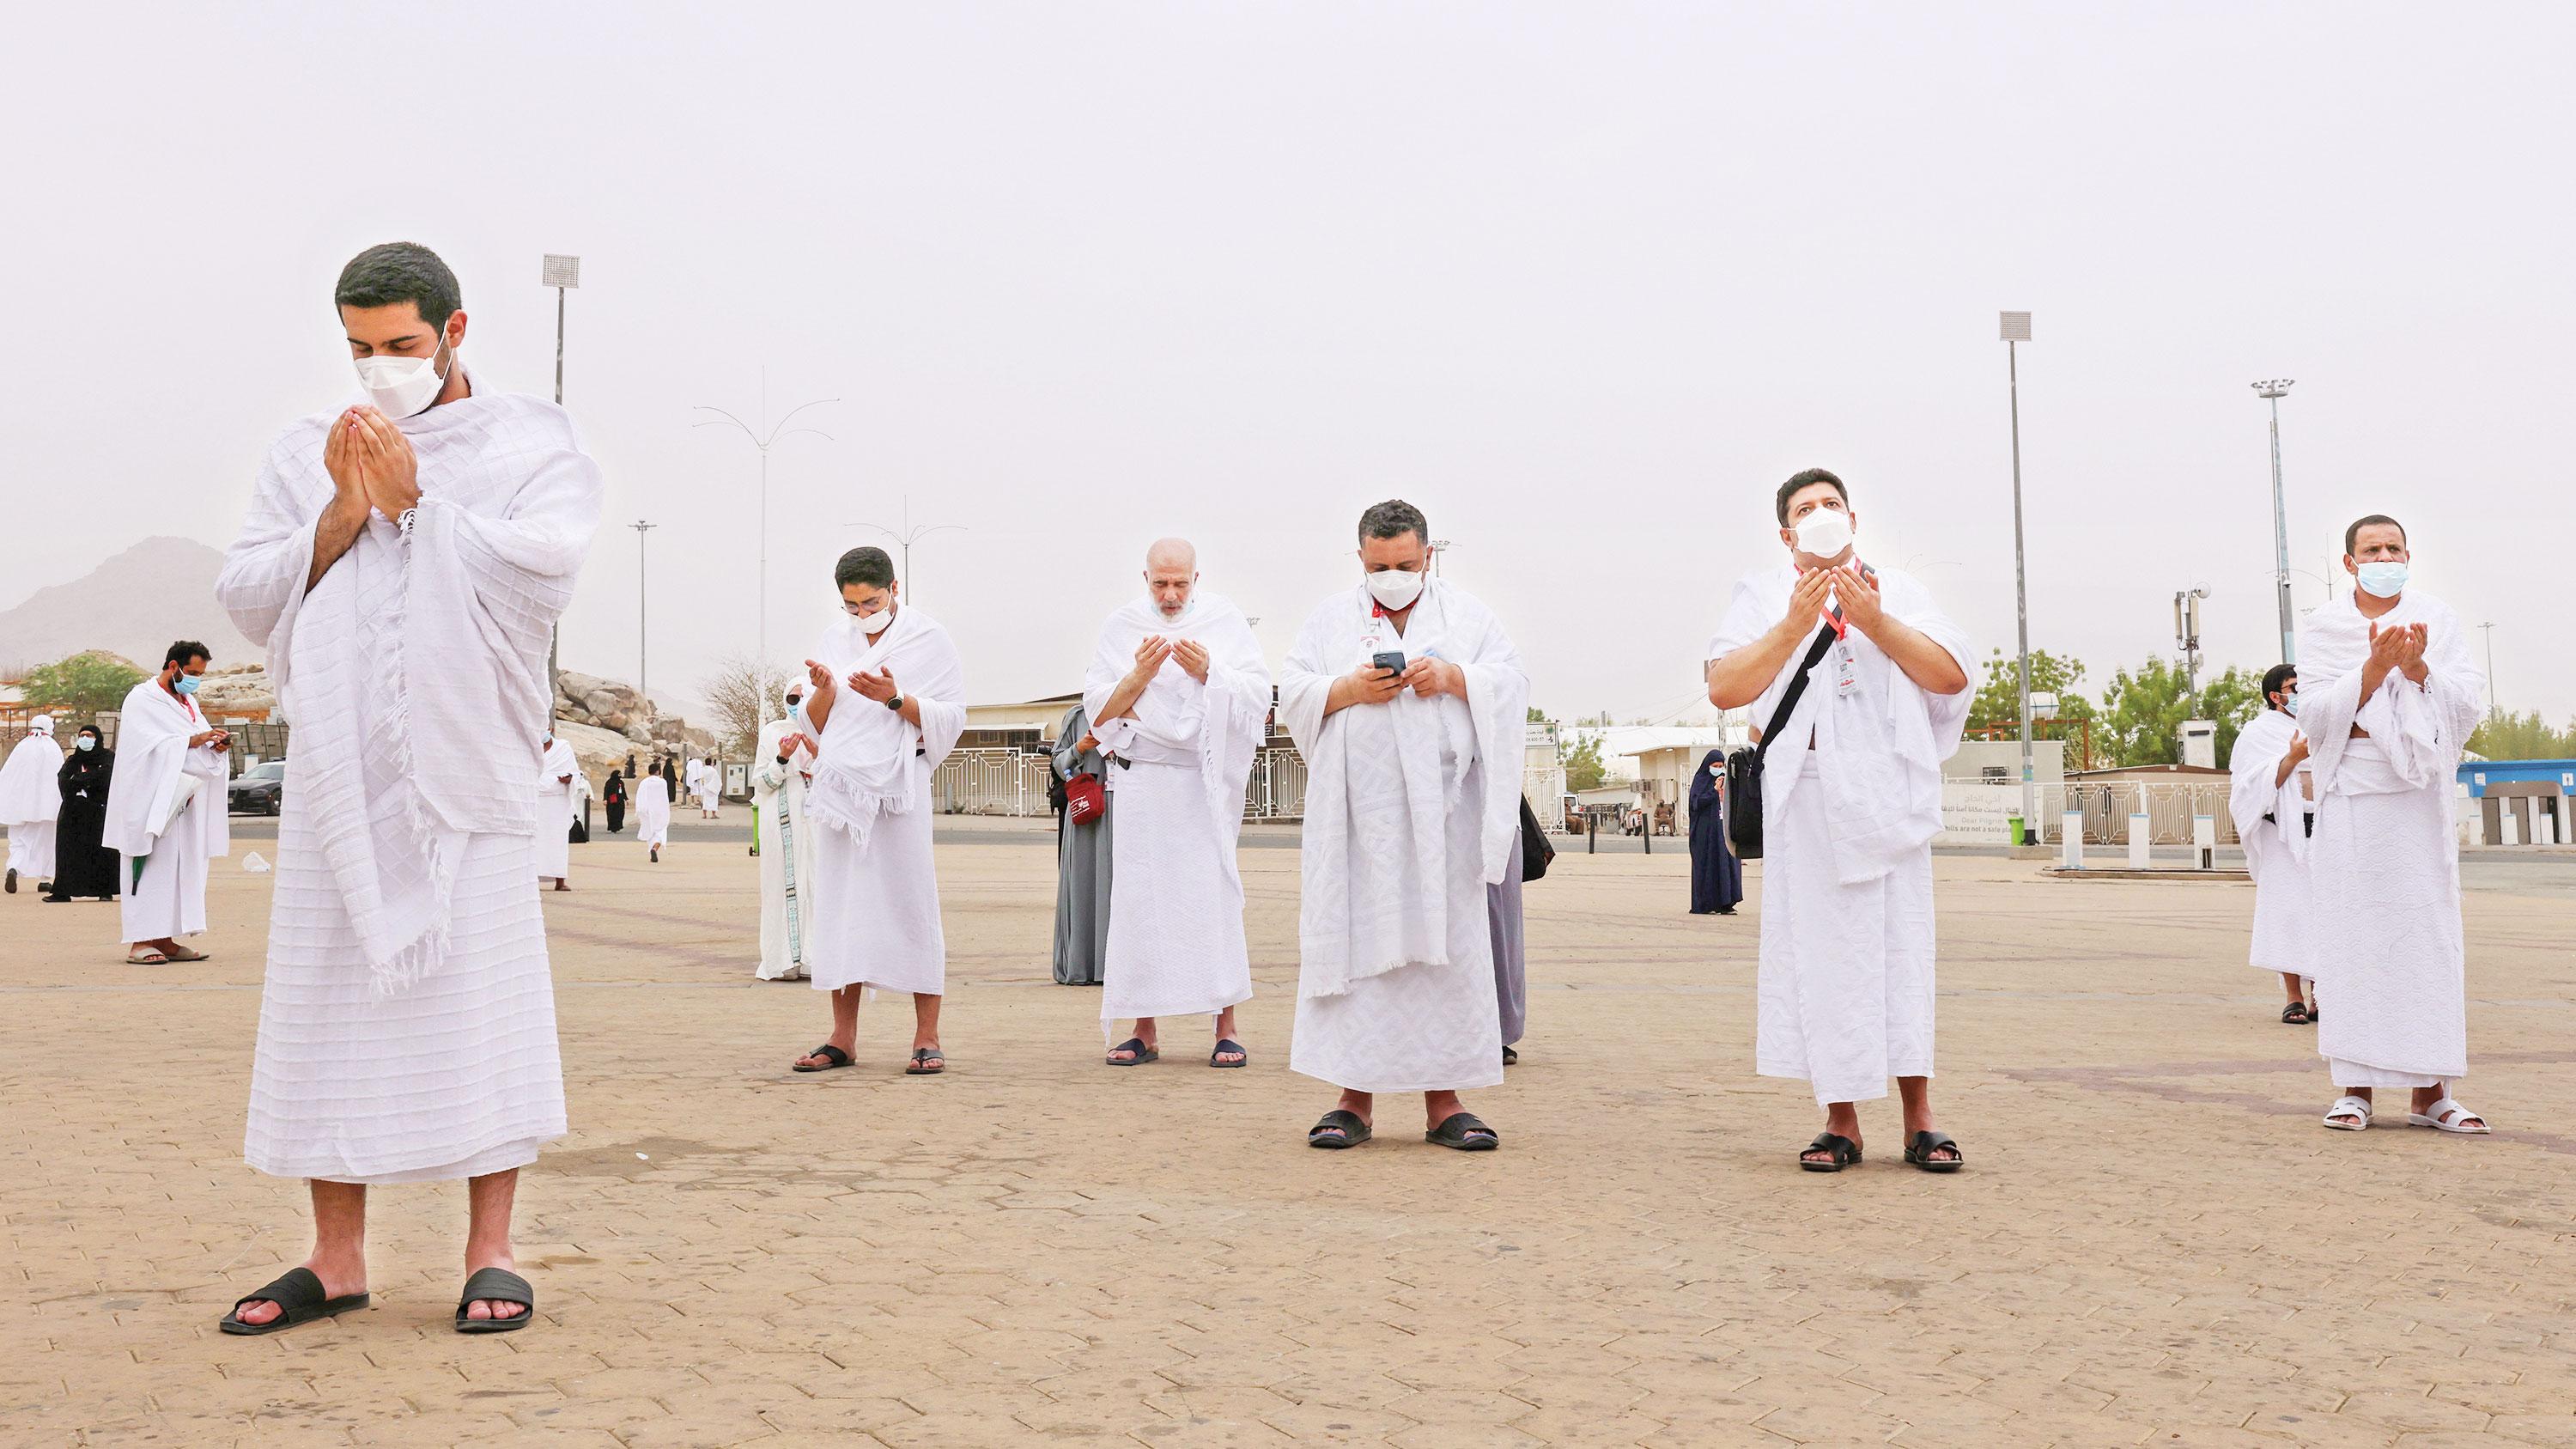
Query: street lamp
point(561, 273)
point(2492, 712)
point(2015, 331)
point(905, 539)
point(761, 439)
point(642, 687)
point(2273, 391)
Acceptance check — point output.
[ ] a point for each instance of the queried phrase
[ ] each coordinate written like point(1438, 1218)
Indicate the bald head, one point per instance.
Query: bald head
point(1171, 573)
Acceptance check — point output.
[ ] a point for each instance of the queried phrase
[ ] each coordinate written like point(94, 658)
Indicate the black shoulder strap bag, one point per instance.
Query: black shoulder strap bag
point(1744, 767)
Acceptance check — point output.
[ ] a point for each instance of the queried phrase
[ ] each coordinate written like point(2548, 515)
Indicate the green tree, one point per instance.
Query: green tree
point(1584, 769)
point(2143, 711)
point(80, 684)
point(1998, 701)
point(2523, 737)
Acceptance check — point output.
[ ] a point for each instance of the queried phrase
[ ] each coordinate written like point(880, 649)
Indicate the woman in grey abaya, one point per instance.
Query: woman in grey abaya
point(1082, 861)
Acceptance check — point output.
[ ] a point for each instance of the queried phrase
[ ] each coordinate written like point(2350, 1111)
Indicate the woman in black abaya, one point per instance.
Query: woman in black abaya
point(82, 866)
point(1717, 877)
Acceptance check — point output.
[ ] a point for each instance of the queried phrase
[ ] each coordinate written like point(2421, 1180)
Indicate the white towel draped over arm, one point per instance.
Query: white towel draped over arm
point(2420, 731)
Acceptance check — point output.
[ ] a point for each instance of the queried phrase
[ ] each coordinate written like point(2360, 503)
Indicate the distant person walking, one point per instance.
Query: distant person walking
point(83, 866)
point(612, 793)
point(1084, 859)
point(1717, 877)
point(653, 812)
point(31, 801)
point(558, 790)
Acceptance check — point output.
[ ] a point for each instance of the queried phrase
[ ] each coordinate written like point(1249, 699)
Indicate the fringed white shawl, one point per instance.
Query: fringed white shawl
point(863, 768)
point(1216, 727)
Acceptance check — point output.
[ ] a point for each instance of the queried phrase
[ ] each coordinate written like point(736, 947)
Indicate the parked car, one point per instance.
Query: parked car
point(261, 790)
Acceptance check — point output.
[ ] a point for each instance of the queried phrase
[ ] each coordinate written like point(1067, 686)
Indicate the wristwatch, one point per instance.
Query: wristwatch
point(895, 703)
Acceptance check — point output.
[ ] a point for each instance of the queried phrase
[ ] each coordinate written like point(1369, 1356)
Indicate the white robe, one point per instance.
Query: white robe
point(786, 850)
point(407, 1026)
point(557, 800)
point(1843, 991)
point(31, 803)
point(709, 783)
point(166, 814)
point(876, 888)
point(653, 811)
point(1412, 808)
point(2272, 822)
point(1176, 944)
point(2384, 867)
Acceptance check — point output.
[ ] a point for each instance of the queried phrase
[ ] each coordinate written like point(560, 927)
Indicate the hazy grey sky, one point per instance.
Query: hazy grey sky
point(1584, 281)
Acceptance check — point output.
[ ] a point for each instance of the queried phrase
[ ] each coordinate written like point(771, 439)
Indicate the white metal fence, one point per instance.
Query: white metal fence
point(1012, 782)
point(1975, 813)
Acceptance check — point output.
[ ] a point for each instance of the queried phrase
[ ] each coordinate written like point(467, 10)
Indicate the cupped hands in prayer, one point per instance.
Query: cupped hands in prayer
point(370, 461)
point(878, 686)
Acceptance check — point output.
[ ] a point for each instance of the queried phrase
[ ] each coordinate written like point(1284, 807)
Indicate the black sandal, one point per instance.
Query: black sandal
point(1511, 1058)
point(1841, 1152)
point(495, 1285)
point(1463, 1131)
point(922, 1064)
point(1226, 1044)
point(299, 1295)
point(1337, 1129)
point(2295, 1014)
point(1138, 1053)
point(833, 1059)
point(1920, 1147)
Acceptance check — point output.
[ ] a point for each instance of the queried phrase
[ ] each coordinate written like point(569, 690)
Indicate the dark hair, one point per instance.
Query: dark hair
point(380, 276)
point(1803, 479)
point(2352, 534)
point(185, 650)
point(2275, 677)
point(1393, 519)
point(867, 564)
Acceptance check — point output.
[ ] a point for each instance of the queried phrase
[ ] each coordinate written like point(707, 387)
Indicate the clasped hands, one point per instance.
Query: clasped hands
point(1817, 589)
point(371, 463)
point(1152, 653)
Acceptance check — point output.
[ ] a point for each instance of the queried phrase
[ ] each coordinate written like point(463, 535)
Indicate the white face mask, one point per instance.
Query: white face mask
point(1824, 533)
point(83, 743)
point(2290, 705)
point(1395, 588)
point(2385, 579)
point(874, 624)
point(403, 387)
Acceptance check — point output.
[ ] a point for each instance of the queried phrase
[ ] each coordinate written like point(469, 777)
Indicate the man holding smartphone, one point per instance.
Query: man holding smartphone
point(1408, 701)
point(1850, 805)
point(165, 808)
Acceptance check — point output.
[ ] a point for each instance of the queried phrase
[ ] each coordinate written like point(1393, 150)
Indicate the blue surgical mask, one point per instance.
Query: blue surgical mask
point(2290, 705)
point(2382, 580)
point(83, 743)
point(185, 684)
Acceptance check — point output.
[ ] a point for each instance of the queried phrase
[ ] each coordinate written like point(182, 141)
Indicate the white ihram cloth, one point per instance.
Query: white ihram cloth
point(710, 783)
point(1412, 808)
point(558, 800)
point(1844, 988)
point(876, 889)
point(1176, 943)
point(2272, 822)
point(407, 1026)
point(786, 849)
point(31, 801)
point(2384, 868)
point(653, 811)
point(165, 813)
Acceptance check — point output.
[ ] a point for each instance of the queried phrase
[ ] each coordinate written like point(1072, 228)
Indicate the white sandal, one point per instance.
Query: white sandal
point(2446, 1117)
point(2348, 1107)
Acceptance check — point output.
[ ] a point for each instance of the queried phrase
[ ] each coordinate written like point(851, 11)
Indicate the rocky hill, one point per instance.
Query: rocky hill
point(134, 604)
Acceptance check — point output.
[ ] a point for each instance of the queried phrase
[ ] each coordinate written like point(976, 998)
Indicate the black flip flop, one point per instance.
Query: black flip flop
point(1338, 1129)
point(833, 1059)
point(498, 1285)
point(922, 1057)
point(1226, 1044)
point(1143, 1053)
point(1511, 1058)
point(1920, 1147)
point(302, 1297)
point(2294, 1014)
point(1843, 1152)
point(1463, 1131)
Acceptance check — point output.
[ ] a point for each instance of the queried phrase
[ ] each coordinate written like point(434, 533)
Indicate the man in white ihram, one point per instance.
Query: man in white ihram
point(1409, 703)
point(404, 562)
point(166, 808)
point(2388, 693)
point(780, 773)
point(886, 702)
point(1178, 691)
point(1849, 809)
point(559, 801)
point(2271, 795)
point(31, 801)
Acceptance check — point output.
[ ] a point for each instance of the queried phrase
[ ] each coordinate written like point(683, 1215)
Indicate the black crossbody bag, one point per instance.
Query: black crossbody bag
point(1744, 767)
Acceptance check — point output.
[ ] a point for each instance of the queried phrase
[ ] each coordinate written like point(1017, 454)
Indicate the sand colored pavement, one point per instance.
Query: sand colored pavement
point(2154, 1244)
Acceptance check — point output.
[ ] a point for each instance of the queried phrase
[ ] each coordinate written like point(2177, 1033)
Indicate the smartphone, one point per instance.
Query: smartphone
point(1390, 659)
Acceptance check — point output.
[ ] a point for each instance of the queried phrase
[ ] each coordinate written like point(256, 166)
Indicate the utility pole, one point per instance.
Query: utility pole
point(761, 439)
point(2016, 330)
point(2273, 391)
point(2187, 637)
point(562, 274)
point(642, 687)
point(2492, 712)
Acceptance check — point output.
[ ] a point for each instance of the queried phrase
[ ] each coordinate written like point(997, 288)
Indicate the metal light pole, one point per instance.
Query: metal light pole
point(2492, 711)
point(562, 274)
point(642, 685)
point(2016, 330)
point(2273, 391)
point(905, 539)
point(761, 439)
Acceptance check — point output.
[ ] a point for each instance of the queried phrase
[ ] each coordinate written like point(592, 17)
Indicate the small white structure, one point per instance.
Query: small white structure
point(2200, 743)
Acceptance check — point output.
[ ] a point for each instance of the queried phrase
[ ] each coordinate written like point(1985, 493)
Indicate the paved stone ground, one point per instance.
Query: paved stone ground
point(2155, 1242)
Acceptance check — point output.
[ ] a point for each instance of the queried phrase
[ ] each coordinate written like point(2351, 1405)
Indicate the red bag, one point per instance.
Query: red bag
point(1084, 799)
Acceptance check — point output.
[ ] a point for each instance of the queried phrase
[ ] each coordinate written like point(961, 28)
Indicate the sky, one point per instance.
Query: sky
point(1583, 281)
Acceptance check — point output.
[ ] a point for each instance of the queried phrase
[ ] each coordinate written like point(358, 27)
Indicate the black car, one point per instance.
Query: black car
point(261, 789)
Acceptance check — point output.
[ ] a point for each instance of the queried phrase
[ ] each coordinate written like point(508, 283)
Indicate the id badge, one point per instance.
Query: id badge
point(1846, 670)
